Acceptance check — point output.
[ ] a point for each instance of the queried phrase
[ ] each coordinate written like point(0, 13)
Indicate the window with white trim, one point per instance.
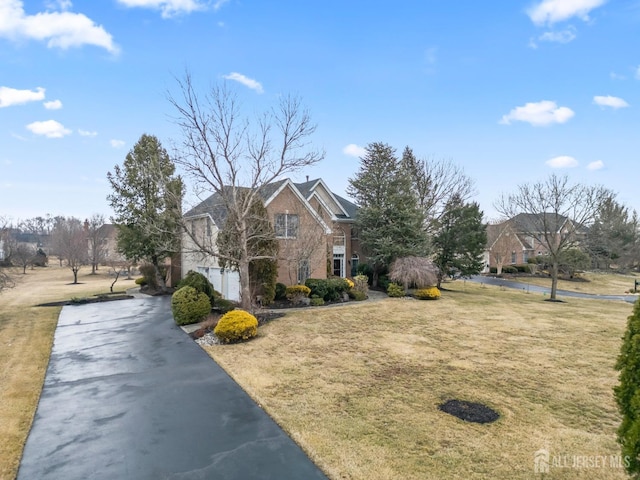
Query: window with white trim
point(286, 225)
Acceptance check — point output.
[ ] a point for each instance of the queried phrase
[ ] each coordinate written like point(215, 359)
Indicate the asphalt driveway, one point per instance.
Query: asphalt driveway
point(128, 395)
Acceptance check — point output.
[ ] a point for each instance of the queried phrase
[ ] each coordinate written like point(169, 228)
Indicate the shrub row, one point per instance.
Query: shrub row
point(329, 289)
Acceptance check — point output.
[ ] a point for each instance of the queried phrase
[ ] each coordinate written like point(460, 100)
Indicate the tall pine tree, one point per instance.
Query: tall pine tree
point(460, 240)
point(389, 220)
point(146, 200)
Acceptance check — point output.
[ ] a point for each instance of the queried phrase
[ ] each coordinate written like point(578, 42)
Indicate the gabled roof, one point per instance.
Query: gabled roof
point(531, 222)
point(215, 208)
point(311, 188)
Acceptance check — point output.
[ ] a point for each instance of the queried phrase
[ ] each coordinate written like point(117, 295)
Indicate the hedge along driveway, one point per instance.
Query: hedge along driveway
point(128, 395)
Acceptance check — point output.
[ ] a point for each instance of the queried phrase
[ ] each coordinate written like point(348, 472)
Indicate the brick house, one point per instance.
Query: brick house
point(314, 228)
point(516, 240)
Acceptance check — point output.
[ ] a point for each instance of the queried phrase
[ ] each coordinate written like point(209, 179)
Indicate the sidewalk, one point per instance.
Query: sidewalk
point(128, 395)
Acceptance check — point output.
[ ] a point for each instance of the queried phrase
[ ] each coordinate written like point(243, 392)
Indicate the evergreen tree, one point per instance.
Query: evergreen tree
point(627, 394)
point(389, 220)
point(460, 240)
point(146, 200)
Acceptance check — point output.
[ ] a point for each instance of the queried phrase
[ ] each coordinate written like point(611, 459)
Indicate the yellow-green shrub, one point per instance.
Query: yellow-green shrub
point(235, 326)
point(395, 290)
point(295, 293)
point(360, 288)
point(430, 293)
point(350, 284)
point(189, 306)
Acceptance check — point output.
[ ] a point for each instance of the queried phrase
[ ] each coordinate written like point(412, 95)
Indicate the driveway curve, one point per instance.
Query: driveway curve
point(545, 290)
point(129, 395)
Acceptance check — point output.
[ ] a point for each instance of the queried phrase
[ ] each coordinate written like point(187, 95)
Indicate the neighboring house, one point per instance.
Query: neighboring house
point(314, 228)
point(516, 240)
point(108, 235)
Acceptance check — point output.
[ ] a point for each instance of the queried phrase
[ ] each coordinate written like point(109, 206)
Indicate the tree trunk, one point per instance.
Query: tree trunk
point(554, 279)
point(24, 269)
point(75, 275)
point(245, 287)
point(162, 285)
point(93, 268)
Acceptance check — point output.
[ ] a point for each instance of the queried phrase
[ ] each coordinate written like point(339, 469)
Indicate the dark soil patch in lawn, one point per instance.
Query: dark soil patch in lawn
point(469, 411)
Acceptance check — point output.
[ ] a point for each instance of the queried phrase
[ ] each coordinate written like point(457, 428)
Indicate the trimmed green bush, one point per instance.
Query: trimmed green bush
point(509, 269)
point(141, 281)
point(316, 301)
point(318, 287)
point(627, 393)
point(357, 295)
point(236, 326)
point(281, 291)
point(395, 290)
point(189, 305)
point(430, 293)
point(201, 284)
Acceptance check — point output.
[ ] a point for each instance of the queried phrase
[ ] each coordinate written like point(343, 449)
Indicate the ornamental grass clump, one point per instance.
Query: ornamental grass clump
point(236, 326)
point(189, 306)
point(360, 288)
point(431, 293)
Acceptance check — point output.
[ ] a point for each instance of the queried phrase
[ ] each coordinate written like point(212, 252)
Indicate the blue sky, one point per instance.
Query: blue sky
point(511, 91)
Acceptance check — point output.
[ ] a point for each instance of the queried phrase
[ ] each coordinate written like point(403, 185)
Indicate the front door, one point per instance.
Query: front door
point(338, 264)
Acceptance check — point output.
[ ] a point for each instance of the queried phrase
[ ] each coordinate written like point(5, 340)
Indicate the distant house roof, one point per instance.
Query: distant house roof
point(108, 230)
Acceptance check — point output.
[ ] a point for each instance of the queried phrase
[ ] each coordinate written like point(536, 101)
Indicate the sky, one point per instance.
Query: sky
point(511, 91)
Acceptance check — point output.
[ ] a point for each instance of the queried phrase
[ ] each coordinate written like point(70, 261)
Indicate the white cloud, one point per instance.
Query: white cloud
point(563, 161)
point(117, 143)
point(87, 133)
point(553, 11)
point(218, 5)
point(616, 76)
point(12, 96)
point(246, 81)
point(170, 8)
point(49, 129)
point(59, 29)
point(564, 36)
point(354, 150)
point(59, 4)
point(609, 101)
point(53, 105)
point(638, 73)
point(597, 165)
point(538, 114)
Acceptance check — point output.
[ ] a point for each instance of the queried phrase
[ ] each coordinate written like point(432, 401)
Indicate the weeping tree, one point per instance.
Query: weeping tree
point(233, 155)
point(418, 271)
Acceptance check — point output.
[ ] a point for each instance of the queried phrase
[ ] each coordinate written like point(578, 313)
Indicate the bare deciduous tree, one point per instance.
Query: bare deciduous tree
point(70, 238)
point(435, 183)
point(22, 255)
point(96, 240)
point(555, 213)
point(233, 156)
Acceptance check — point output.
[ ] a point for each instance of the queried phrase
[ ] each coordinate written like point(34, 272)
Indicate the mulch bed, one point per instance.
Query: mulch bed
point(469, 411)
point(84, 301)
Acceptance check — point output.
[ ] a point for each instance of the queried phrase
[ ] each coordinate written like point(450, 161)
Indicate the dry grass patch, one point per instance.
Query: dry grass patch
point(358, 386)
point(597, 283)
point(26, 337)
